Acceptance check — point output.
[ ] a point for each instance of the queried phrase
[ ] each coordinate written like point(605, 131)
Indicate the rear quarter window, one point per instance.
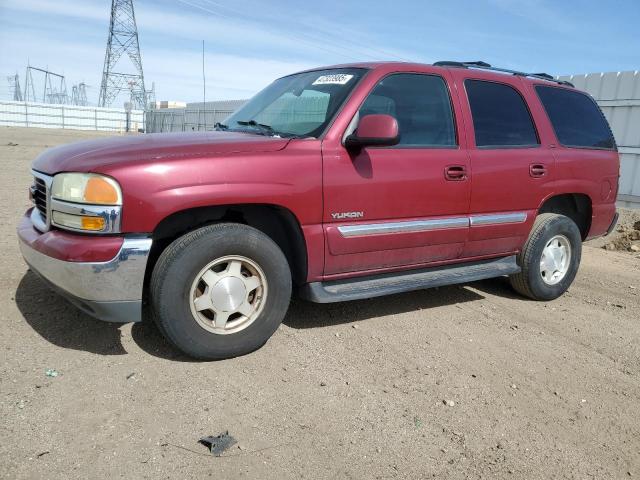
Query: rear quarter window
point(576, 118)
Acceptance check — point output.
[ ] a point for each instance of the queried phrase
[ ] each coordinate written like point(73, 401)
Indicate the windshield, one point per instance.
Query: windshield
point(299, 105)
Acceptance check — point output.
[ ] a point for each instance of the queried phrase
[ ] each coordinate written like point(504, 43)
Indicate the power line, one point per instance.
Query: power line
point(325, 38)
point(287, 34)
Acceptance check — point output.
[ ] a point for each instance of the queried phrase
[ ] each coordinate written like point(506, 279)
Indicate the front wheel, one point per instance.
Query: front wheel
point(220, 291)
point(550, 258)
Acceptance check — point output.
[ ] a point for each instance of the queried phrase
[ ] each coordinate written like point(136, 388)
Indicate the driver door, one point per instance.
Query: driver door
point(403, 205)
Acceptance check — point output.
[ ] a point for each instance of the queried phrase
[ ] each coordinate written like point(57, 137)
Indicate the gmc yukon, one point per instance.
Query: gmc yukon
point(338, 183)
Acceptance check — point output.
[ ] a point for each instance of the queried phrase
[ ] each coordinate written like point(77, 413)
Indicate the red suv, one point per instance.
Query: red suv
point(341, 183)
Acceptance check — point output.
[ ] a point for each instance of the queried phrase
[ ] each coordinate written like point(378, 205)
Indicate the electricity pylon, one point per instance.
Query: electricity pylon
point(123, 76)
point(14, 87)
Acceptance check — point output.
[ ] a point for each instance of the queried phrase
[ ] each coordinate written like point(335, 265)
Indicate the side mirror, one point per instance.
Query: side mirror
point(374, 130)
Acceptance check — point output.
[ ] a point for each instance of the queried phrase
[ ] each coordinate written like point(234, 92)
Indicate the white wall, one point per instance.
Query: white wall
point(618, 94)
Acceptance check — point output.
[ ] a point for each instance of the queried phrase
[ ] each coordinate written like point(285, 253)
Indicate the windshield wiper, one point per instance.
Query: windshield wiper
point(265, 129)
point(221, 126)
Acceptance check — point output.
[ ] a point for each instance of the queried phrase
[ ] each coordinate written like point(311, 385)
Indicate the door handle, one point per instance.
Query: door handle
point(455, 173)
point(537, 170)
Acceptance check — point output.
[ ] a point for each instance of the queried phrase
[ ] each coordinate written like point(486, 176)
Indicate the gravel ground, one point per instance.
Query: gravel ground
point(460, 382)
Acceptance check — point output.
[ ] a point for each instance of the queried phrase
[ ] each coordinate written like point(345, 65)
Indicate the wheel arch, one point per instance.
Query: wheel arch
point(277, 222)
point(575, 205)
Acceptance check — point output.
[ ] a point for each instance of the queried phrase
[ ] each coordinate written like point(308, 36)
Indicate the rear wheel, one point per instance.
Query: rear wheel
point(220, 291)
point(550, 258)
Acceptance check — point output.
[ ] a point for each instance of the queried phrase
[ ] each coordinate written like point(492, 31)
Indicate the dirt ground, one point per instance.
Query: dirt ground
point(461, 382)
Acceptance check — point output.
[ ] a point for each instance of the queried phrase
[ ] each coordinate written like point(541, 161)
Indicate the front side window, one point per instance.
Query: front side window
point(300, 105)
point(500, 116)
point(420, 104)
point(576, 118)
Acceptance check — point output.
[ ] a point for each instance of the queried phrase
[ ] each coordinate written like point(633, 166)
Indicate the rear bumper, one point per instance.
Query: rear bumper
point(108, 290)
point(613, 223)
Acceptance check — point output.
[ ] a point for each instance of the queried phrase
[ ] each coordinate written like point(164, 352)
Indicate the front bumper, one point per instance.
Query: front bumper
point(110, 290)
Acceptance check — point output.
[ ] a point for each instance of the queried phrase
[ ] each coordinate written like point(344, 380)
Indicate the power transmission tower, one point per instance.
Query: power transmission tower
point(14, 87)
point(54, 87)
point(79, 94)
point(117, 77)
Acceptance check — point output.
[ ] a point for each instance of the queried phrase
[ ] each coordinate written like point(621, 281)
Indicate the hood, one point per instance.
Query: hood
point(91, 155)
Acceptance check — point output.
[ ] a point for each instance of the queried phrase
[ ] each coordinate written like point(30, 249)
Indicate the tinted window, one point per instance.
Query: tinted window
point(576, 118)
point(500, 116)
point(420, 104)
point(297, 105)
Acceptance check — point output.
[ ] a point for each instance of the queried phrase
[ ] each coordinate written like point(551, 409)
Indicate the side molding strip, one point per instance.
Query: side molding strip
point(402, 227)
point(519, 217)
point(426, 225)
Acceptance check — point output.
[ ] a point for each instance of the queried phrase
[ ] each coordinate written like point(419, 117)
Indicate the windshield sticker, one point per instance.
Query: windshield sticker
point(335, 79)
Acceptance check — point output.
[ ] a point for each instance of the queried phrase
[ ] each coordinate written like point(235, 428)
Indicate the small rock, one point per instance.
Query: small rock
point(354, 326)
point(50, 372)
point(609, 246)
point(449, 403)
point(323, 384)
point(337, 334)
point(514, 386)
point(131, 375)
point(634, 248)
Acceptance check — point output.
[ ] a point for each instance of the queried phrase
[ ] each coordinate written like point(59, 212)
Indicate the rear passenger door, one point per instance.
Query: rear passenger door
point(512, 168)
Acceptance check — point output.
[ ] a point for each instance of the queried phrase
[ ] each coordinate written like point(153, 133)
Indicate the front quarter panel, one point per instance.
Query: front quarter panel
point(290, 178)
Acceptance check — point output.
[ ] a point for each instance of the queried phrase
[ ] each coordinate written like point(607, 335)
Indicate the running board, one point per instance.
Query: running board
point(386, 284)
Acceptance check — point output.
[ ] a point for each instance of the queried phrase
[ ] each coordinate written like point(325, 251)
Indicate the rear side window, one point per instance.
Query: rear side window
point(500, 116)
point(576, 118)
point(420, 104)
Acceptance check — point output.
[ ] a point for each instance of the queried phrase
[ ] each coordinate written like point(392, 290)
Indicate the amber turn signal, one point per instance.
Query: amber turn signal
point(100, 191)
point(93, 223)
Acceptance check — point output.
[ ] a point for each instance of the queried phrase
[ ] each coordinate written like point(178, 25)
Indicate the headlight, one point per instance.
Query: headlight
point(86, 202)
point(86, 188)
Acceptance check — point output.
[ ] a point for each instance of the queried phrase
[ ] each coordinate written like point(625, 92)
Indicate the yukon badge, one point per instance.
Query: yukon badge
point(341, 215)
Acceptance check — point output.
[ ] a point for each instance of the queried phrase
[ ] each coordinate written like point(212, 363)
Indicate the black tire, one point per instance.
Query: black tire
point(529, 282)
point(176, 270)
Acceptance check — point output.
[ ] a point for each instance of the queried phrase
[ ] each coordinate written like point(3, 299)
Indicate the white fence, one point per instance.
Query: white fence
point(45, 115)
point(195, 116)
point(618, 94)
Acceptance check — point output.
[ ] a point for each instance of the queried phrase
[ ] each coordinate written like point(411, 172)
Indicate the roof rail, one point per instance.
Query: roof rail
point(485, 66)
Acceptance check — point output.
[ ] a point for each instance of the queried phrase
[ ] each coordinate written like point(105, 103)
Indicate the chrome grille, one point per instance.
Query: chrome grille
point(40, 196)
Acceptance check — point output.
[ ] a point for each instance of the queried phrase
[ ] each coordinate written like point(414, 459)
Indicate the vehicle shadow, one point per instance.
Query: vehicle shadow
point(304, 314)
point(61, 324)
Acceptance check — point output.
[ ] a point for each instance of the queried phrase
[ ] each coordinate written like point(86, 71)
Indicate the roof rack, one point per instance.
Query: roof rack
point(485, 66)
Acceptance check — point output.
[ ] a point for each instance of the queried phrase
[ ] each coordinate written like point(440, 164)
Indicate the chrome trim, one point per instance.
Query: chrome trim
point(40, 223)
point(119, 279)
point(112, 214)
point(403, 227)
point(433, 224)
point(497, 219)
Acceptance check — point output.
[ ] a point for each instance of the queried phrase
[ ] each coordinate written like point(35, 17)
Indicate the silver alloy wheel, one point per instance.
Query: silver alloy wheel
point(228, 294)
point(555, 260)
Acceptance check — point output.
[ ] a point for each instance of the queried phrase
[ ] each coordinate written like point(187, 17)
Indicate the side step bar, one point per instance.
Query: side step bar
point(386, 284)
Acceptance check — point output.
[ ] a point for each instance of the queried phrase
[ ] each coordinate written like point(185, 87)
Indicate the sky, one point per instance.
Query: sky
point(249, 43)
